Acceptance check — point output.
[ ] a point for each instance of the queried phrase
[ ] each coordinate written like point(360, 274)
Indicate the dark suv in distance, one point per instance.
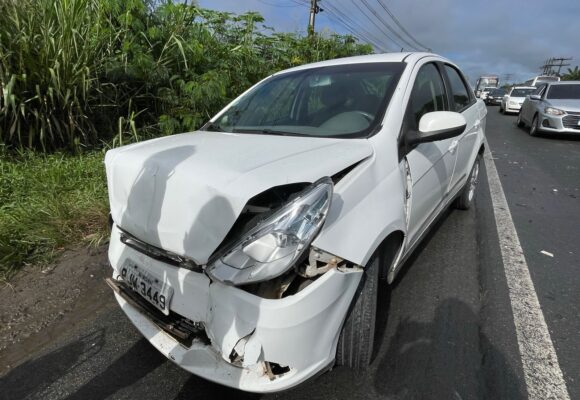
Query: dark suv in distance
point(494, 97)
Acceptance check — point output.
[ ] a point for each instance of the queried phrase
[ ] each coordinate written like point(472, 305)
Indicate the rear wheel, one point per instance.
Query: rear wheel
point(465, 200)
point(355, 344)
point(534, 129)
point(519, 121)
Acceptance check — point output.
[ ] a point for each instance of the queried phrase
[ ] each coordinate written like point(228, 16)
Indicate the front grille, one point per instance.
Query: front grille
point(158, 253)
point(571, 121)
point(573, 112)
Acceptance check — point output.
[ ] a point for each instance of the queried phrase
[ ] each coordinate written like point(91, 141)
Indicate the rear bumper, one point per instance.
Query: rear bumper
point(511, 108)
point(299, 332)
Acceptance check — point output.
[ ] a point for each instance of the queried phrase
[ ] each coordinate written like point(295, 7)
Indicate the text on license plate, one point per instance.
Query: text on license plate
point(151, 288)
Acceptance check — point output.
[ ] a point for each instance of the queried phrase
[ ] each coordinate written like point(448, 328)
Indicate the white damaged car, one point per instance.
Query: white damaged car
point(250, 252)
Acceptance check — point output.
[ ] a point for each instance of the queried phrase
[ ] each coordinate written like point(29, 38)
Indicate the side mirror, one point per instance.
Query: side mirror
point(437, 125)
point(535, 97)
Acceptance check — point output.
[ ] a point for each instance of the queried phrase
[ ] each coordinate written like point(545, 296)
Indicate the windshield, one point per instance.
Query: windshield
point(547, 79)
point(486, 82)
point(521, 92)
point(497, 92)
point(337, 101)
point(564, 92)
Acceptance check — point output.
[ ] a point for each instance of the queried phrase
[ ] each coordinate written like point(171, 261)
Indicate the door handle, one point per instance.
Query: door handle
point(453, 146)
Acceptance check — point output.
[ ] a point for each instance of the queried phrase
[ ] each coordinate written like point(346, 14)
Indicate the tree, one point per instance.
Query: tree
point(572, 75)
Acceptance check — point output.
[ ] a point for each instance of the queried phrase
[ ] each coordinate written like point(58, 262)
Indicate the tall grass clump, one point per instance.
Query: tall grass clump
point(50, 56)
point(77, 76)
point(78, 73)
point(47, 202)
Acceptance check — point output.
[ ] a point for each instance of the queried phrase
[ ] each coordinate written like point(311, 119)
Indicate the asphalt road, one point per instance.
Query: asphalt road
point(445, 331)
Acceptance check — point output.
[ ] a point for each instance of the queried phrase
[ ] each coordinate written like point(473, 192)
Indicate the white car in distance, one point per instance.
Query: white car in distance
point(485, 92)
point(250, 253)
point(513, 100)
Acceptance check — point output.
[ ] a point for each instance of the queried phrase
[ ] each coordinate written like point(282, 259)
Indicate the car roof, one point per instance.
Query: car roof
point(563, 83)
point(371, 58)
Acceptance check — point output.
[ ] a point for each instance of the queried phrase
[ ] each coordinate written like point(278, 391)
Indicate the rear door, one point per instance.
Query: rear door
point(462, 102)
point(431, 164)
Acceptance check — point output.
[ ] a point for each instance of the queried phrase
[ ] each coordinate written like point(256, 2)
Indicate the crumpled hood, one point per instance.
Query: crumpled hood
point(183, 193)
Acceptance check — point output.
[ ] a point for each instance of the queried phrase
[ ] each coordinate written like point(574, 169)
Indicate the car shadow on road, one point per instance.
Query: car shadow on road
point(437, 360)
point(36, 375)
point(126, 370)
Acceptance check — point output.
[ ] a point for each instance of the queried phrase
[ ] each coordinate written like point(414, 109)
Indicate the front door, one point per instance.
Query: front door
point(431, 164)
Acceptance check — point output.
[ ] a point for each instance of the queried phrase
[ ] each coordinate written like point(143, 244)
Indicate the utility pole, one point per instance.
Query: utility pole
point(553, 62)
point(314, 9)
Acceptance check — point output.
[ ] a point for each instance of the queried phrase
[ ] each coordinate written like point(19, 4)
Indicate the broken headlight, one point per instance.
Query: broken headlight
point(274, 245)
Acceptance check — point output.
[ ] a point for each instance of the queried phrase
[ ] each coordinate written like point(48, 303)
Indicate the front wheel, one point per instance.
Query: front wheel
point(534, 129)
point(519, 121)
point(465, 199)
point(355, 344)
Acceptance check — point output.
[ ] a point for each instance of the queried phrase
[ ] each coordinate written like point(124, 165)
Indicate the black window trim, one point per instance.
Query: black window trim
point(403, 149)
point(472, 99)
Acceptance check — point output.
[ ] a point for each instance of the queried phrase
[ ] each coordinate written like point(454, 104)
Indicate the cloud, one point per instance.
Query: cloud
point(483, 37)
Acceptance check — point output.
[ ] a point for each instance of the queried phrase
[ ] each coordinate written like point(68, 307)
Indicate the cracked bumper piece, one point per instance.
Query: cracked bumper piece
point(255, 344)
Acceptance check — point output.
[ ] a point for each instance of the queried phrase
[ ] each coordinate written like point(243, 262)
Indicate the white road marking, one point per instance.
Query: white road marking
point(544, 379)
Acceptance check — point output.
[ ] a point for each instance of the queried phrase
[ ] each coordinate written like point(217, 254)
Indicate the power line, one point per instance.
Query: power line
point(280, 5)
point(360, 30)
point(357, 34)
point(552, 62)
point(378, 17)
point(376, 25)
point(398, 23)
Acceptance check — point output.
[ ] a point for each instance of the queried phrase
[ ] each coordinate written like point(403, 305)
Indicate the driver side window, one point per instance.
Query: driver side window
point(428, 95)
point(540, 90)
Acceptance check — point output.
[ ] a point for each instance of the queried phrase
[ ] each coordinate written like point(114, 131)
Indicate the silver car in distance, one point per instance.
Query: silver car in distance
point(250, 252)
point(553, 108)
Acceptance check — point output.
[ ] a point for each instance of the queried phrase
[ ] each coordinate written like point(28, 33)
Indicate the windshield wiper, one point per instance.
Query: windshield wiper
point(212, 127)
point(267, 132)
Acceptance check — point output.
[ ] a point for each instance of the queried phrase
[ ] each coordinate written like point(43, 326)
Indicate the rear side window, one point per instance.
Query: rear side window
point(458, 89)
point(428, 94)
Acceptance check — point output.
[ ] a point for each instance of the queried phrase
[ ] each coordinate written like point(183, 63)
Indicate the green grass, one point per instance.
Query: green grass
point(48, 202)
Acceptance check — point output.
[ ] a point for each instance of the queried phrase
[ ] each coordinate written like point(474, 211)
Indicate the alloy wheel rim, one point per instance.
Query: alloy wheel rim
point(473, 181)
point(534, 126)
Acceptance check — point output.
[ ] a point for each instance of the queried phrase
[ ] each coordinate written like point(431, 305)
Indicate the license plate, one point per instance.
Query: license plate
point(151, 288)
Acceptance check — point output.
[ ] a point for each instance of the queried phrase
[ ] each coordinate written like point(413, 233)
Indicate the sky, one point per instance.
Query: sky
point(481, 36)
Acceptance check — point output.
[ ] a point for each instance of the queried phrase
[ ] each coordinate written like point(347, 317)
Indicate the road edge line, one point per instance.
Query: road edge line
point(544, 378)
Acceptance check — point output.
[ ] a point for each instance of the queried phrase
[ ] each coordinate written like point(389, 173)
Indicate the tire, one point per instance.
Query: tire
point(519, 121)
point(465, 199)
point(535, 127)
point(355, 344)
point(500, 109)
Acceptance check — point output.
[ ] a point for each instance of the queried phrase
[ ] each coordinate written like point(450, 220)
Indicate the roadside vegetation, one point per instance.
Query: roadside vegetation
point(78, 76)
point(572, 74)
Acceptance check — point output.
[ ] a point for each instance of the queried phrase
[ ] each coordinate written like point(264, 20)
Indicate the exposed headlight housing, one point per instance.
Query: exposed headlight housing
point(554, 111)
point(273, 246)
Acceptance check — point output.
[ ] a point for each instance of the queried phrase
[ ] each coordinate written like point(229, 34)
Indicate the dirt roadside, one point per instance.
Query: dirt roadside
point(39, 307)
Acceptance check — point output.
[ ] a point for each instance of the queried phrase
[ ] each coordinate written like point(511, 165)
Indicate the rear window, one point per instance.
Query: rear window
point(564, 92)
point(522, 92)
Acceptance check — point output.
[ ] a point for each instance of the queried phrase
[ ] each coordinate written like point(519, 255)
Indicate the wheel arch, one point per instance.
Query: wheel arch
point(390, 251)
